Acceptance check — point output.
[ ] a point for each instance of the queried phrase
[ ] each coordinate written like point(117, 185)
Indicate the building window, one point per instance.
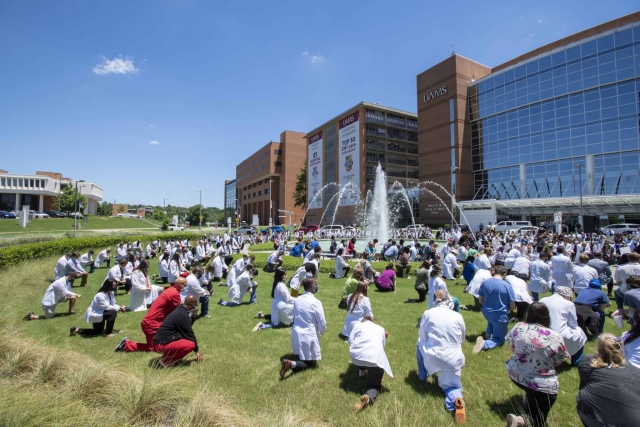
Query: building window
point(451, 110)
point(277, 152)
point(277, 164)
point(2, 182)
point(267, 191)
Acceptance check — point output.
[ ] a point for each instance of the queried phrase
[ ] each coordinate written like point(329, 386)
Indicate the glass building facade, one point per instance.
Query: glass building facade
point(569, 117)
point(230, 200)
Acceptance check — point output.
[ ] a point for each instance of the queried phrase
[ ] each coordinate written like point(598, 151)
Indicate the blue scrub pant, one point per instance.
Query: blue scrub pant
point(496, 331)
point(451, 393)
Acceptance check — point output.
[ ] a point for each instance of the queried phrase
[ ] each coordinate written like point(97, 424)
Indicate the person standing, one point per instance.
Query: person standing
point(537, 351)
point(367, 341)
point(564, 321)
point(497, 299)
point(160, 309)
point(175, 337)
point(308, 325)
point(440, 338)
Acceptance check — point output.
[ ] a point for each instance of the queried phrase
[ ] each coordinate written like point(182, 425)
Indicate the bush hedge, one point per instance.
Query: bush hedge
point(17, 254)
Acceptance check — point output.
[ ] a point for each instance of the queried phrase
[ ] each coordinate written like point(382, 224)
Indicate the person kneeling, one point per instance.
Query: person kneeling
point(175, 337)
point(281, 306)
point(103, 309)
point(386, 282)
point(440, 338)
point(57, 292)
point(366, 347)
point(243, 284)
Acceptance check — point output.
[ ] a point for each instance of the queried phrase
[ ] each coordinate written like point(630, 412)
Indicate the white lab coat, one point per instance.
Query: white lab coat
point(86, 260)
point(163, 268)
point(282, 305)
point(115, 273)
point(340, 264)
point(101, 303)
point(582, 250)
point(482, 262)
point(520, 288)
point(193, 288)
point(362, 309)
point(477, 281)
point(435, 284)
point(57, 292)
point(582, 275)
point(236, 270)
point(61, 267)
point(562, 270)
point(565, 322)
point(200, 252)
point(174, 271)
point(462, 254)
point(511, 258)
point(102, 256)
point(218, 266)
point(449, 265)
point(121, 252)
point(367, 342)
point(297, 278)
point(440, 338)
point(140, 297)
point(521, 265)
point(240, 287)
point(309, 324)
point(540, 277)
point(127, 271)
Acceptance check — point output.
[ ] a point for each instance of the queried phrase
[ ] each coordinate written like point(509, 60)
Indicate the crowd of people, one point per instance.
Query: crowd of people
point(505, 273)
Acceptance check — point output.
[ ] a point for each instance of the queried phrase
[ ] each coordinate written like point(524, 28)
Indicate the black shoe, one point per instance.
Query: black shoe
point(28, 316)
point(120, 347)
point(72, 331)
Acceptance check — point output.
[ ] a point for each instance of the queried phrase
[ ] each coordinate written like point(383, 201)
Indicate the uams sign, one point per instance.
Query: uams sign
point(436, 93)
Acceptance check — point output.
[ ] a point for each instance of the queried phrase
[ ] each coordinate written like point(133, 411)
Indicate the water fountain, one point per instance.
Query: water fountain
point(378, 216)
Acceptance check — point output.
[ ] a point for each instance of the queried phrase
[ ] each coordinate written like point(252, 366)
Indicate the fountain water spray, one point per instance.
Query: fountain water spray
point(378, 217)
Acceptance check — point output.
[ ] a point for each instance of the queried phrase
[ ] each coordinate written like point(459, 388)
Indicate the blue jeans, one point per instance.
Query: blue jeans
point(535, 296)
point(451, 393)
point(619, 297)
point(204, 305)
point(575, 359)
point(496, 331)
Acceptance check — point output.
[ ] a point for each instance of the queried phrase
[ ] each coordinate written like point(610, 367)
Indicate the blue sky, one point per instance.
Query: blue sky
point(155, 99)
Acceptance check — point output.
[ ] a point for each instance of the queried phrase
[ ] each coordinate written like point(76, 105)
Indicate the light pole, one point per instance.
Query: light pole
point(200, 216)
point(270, 204)
point(164, 203)
point(580, 166)
point(75, 212)
point(453, 191)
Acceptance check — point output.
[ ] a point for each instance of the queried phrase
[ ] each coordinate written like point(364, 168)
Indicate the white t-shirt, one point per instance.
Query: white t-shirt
point(632, 351)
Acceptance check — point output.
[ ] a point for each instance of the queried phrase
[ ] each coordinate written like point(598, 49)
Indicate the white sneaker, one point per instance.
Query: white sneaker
point(255, 328)
point(479, 345)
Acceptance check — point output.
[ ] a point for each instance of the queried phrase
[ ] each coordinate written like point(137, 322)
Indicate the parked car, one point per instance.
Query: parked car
point(620, 228)
point(274, 229)
point(123, 215)
point(6, 215)
point(246, 229)
point(75, 215)
point(16, 213)
point(173, 227)
point(528, 229)
point(40, 215)
point(55, 214)
point(511, 225)
point(330, 228)
point(350, 228)
point(308, 228)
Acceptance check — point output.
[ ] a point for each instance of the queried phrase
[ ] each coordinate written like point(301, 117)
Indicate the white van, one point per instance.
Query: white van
point(511, 225)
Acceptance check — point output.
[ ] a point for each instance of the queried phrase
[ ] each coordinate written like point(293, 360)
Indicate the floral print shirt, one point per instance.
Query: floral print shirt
point(536, 353)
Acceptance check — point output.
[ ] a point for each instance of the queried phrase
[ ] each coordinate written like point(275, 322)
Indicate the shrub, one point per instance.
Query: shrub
point(17, 254)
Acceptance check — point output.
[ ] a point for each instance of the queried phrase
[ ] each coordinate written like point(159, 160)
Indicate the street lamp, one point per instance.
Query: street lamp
point(75, 212)
point(164, 203)
point(453, 191)
point(200, 216)
point(580, 166)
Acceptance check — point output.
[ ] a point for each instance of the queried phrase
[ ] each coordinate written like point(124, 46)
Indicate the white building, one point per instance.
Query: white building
point(38, 191)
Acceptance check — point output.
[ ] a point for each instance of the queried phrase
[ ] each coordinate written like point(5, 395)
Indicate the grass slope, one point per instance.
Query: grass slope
point(241, 367)
point(66, 224)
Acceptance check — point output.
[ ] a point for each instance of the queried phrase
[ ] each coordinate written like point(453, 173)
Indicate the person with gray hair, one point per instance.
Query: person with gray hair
point(604, 271)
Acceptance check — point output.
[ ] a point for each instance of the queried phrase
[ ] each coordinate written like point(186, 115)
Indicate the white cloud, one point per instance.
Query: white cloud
point(313, 59)
point(151, 125)
point(539, 21)
point(115, 66)
point(154, 142)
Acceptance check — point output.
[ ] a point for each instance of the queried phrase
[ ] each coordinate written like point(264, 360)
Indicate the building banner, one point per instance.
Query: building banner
point(314, 171)
point(349, 160)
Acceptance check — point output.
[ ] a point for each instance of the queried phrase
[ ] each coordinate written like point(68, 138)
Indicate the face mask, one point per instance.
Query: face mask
point(192, 312)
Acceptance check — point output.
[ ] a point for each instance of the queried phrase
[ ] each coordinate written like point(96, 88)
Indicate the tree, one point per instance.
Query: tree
point(66, 200)
point(193, 214)
point(104, 208)
point(159, 215)
point(300, 193)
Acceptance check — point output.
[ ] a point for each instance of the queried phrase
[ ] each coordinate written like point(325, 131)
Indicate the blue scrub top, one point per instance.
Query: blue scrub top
point(497, 295)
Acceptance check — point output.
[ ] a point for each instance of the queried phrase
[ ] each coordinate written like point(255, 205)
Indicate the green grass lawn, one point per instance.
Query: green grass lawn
point(241, 367)
point(66, 224)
